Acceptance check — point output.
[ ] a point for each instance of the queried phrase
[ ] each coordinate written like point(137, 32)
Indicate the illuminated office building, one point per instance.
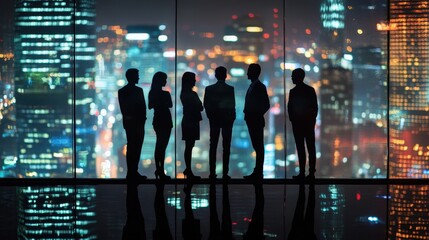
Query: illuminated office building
point(332, 14)
point(408, 212)
point(336, 108)
point(53, 90)
point(56, 212)
point(409, 111)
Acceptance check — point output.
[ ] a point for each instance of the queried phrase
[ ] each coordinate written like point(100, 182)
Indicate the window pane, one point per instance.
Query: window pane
point(344, 58)
point(129, 34)
point(233, 35)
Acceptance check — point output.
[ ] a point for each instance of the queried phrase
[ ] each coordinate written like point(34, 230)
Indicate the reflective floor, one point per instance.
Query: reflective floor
point(202, 211)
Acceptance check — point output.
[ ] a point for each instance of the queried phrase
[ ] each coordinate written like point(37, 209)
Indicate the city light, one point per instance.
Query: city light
point(254, 29)
point(137, 36)
point(230, 38)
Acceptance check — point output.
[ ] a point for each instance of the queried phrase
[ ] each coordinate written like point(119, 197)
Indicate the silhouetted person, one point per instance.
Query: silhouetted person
point(302, 109)
point(219, 103)
point(303, 223)
point(190, 225)
point(133, 109)
point(162, 228)
point(256, 225)
point(160, 101)
point(192, 108)
point(255, 106)
point(216, 230)
point(134, 227)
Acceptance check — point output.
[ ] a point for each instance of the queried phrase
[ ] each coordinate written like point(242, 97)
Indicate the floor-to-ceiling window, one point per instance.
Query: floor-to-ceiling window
point(62, 63)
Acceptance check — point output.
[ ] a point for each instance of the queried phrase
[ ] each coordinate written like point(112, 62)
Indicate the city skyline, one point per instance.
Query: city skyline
point(209, 43)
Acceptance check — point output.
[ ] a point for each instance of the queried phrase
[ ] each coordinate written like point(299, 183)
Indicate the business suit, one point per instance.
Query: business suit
point(133, 108)
point(219, 102)
point(302, 110)
point(256, 105)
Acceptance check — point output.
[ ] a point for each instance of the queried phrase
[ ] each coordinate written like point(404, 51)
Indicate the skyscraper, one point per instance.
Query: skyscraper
point(332, 14)
point(54, 57)
point(409, 88)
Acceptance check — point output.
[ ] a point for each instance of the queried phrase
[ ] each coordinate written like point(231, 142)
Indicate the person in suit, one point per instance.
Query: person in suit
point(160, 101)
point(192, 108)
point(219, 103)
point(133, 108)
point(255, 106)
point(135, 226)
point(302, 110)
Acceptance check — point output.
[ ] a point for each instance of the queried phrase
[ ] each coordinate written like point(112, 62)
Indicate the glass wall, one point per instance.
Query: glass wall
point(344, 56)
point(62, 63)
point(234, 35)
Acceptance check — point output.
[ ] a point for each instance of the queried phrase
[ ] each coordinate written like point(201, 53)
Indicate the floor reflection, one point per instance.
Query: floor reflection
point(222, 211)
point(303, 218)
point(134, 226)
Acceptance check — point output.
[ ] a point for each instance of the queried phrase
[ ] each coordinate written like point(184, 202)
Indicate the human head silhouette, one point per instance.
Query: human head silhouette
point(188, 80)
point(159, 80)
point(132, 75)
point(298, 76)
point(253, 71)
point(220, 73)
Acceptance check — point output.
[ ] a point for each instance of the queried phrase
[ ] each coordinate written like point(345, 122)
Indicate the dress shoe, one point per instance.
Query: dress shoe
point(190, 176)
point(159, 174)
point(254, 176)
point(299, 177)
point(212, 177)
point(226, 177)
point(136, 177)
point(310, 177)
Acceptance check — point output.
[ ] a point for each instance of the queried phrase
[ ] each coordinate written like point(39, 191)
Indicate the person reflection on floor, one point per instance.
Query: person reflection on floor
point(162, 228)
point(134, 227)
point(303, 224)
point(190, 225)
point(256, 225)
point(216, 231)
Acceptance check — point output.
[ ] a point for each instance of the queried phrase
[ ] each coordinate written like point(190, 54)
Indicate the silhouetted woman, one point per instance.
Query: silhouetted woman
point(160, 101)
point(192, 108)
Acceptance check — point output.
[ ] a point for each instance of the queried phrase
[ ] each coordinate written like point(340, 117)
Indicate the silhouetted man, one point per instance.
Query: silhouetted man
point(302, 109)
point(255, 106)
point(133, 109)
point(219, 102)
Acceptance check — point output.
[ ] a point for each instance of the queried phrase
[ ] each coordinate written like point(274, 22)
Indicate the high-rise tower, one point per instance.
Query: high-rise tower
point(409, 88)
point(332, 14)
point(54, 57)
